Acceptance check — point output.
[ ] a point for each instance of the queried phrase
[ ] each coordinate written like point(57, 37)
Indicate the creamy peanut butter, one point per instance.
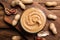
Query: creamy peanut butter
point(33, 20)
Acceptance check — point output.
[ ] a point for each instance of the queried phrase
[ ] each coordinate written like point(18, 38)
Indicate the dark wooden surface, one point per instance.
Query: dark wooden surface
point(6, 32)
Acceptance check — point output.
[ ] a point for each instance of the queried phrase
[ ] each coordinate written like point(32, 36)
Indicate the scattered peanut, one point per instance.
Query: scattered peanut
point(27, 1)
point(53, 28)
point(16, 38)
point(7, 11)
point(43, 34)
point(51, 3)
point(10, 11)
point(14, 22)
point(17, 17)
point(22, 5)
point(51, 16)
point(13, 3)
point(18, 2)
point(13, 11)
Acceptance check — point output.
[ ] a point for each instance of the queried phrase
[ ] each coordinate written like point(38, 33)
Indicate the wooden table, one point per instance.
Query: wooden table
point(6, 32)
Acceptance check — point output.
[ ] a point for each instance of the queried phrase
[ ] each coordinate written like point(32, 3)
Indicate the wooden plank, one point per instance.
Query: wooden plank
point(2, 23)
point(51, 8)
point(50, 37)
point(57, 23)
point(42, 2)
point(32, 36)
point(7, 34)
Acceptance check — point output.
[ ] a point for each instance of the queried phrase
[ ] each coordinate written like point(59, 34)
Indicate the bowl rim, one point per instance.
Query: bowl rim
point(40, 28)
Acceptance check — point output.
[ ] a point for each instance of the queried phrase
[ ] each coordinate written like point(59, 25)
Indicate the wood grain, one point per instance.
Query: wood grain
point(7, 34)
point(42, 2)
point(6, 29)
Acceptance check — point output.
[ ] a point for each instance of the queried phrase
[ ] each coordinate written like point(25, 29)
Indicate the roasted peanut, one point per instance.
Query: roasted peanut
point(16, 38)
point(43, 34)
point(13, 4)
point(44, 38)
point(27, 1)
point(17, 17)
point(10, 11)
point(22, 5)
point(53, 28)
point(13, 11)
point(14, 22)
point(18, 2)
point(51, 3)
point(7, 11)
point(52, 16)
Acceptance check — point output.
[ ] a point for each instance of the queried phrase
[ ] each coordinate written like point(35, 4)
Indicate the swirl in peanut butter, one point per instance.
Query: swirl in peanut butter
point(33, 20)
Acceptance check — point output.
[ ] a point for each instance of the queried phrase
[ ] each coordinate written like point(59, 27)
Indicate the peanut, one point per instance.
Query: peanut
point(53, 28)
point(13, 3)
point(14, 22)
point(17, 17)
point(16, 38)
point(22, 5)
point(43, 34)
point(18, 2)
point(10, 11)
point(7, 11)
point(51, 3)
point(52, 16)
point(27, 1)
